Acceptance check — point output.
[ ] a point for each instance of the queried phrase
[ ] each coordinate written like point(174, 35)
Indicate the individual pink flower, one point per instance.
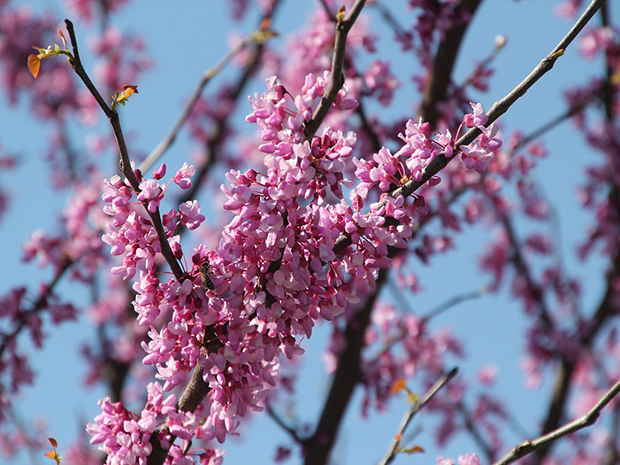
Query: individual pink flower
point(189, 214)
point(152, 193)
point(183, 176)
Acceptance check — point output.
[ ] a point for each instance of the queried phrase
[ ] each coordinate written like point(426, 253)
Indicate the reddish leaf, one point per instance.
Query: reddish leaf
point(265, 23)
point(413, 450)
point(34, 64)
point(62, 36)
point(399, 386)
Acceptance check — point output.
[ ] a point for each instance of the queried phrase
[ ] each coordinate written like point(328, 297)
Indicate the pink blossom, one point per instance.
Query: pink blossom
point(183, 175)
point(189, 214)
point(152, 193)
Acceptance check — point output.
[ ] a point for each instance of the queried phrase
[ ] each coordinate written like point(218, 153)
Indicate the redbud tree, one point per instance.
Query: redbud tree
point(316, 182)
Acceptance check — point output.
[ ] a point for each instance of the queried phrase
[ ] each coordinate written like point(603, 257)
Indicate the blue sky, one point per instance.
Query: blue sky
point(184, 41)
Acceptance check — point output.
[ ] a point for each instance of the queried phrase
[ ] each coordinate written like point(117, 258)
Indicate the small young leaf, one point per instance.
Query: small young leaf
point(340, 14)
point(413, 398)
point(62, 36)
point(34, 64)
point(558, 54)
point(413, 450)
point(129, 90)
point(265, 23)
point(53, 442)
point(399, 386)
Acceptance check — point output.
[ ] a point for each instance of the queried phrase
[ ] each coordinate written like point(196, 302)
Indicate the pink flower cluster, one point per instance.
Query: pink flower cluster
point(126, 436)
point(131, 233)
point(275, 271)
point(380, 81)
point(400, 346)
point(388, 171)
point(467, 459)
point(479, 153)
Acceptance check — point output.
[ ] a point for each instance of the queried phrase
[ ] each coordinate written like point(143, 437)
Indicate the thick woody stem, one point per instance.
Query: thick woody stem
point(344, 381)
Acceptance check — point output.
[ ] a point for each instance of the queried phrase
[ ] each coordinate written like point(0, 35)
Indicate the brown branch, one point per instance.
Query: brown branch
point(343, 384)
point(125, 162)
point(197, 389)
point(343, 26)
point(40, 304)
point(544, 441)
point(415, 408)
point(443, 64)
point(475, 432)
point(192, 396)
point(499, 108)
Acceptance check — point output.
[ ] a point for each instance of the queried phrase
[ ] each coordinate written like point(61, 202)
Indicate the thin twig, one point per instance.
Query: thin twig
point(209, 74)
point(280, 422)
point(327, 10)
point(389, 18)
point(403, 333)
point(499, 108)
point(336, 78)
point(587, 420)
point(458, 299)
point(428, 395)
point(523, 269)
point(569, 113)
point(125, 162)
point(23, 318)
point(474, 430)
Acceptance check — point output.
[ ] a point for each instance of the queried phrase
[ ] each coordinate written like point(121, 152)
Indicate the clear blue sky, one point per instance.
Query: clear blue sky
point(186, 40)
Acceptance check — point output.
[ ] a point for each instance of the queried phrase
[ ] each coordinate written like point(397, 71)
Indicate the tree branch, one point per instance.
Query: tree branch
point(125, 162)
point(499, 108)
point(428, 395)
point(259, 36)
point(280, 422)
point(344, 381)
point(443, 64)
point(587, 420)
point(336, 78)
